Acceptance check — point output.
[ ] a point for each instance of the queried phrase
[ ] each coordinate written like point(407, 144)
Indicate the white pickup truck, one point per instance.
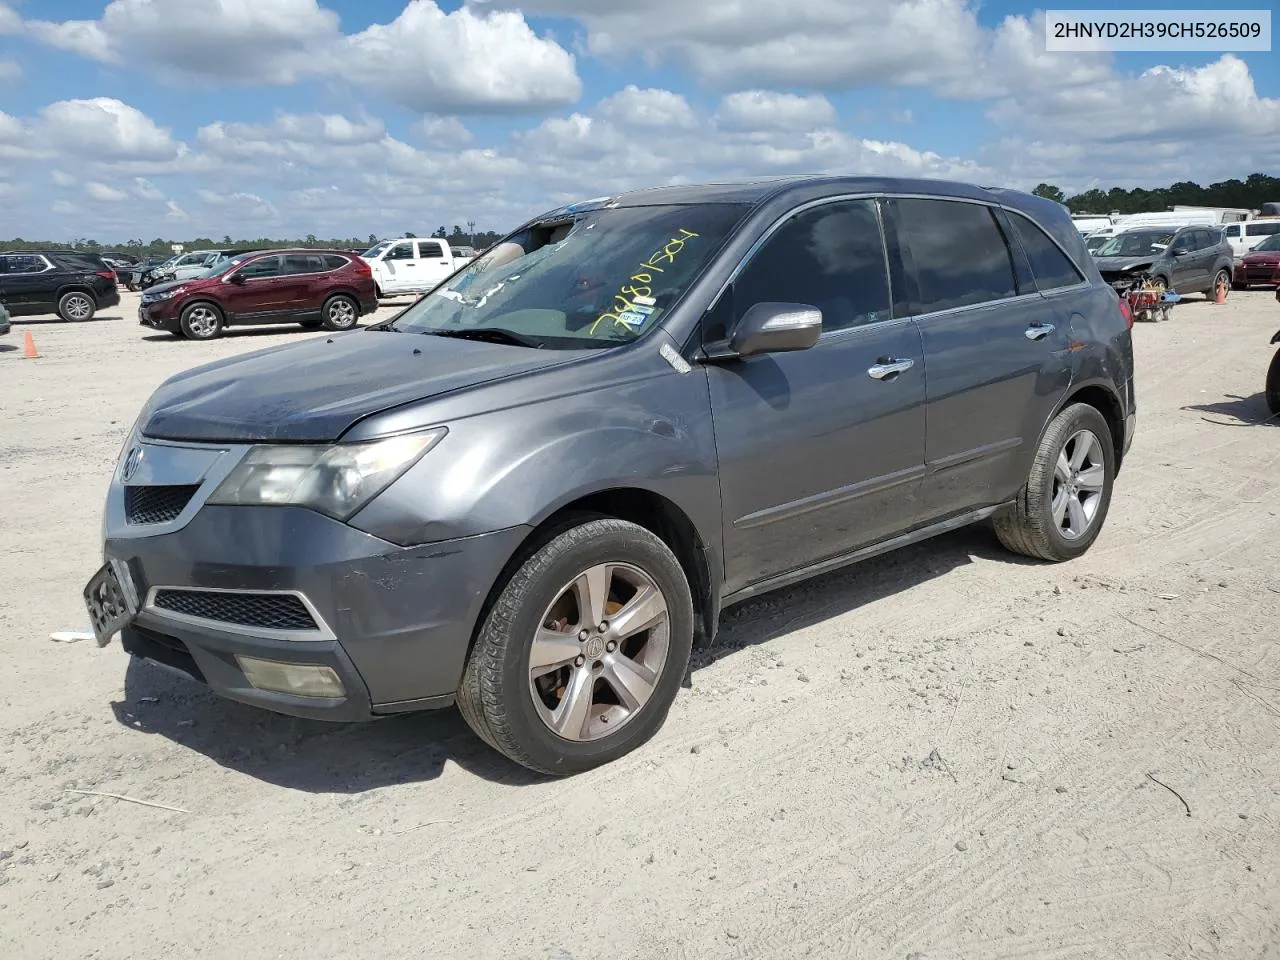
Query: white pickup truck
point(411, 265)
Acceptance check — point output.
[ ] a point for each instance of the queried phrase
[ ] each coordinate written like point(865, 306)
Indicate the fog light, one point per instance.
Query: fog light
point(297, 679)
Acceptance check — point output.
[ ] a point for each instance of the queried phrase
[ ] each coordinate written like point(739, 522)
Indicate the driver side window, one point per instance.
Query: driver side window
point(1184, 243)
point(830, 257)
point(260, 269)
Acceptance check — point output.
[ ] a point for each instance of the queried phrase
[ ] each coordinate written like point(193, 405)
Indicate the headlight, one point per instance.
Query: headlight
point(335, 479)
point(165, 294)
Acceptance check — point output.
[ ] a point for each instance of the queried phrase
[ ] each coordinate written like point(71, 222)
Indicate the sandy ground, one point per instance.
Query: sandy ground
point(946, 753)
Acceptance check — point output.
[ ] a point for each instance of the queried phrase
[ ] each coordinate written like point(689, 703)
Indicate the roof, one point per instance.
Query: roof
point(758, 190)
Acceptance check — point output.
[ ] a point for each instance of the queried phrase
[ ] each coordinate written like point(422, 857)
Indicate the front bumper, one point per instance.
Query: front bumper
point(393, 623)
point(161, 315)
point(1247, 274)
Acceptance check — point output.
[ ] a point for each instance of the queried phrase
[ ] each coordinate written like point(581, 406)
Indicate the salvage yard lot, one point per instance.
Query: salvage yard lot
point(946, 751)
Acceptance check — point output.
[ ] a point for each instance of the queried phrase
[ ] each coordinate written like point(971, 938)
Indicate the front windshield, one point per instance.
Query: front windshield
point(599, 278)
point(376, 250)
point(1271, 243)
point(1143, 244)
point(1093, 244)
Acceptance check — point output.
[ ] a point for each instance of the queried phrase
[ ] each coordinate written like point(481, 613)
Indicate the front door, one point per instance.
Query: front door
point(262, 290)
point(989, 347)
point(398, 269)
point(27, 284)
point(820, 451)
point(1187, 268)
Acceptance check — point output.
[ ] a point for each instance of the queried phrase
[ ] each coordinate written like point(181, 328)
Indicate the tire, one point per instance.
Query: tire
point(340, 313)
point(309, 324)
point(201, 321)
point(1223, 277)
point(513, 706)
point(377, 292)
point(1029, 526)
point(76, 307)
point(1273, 385)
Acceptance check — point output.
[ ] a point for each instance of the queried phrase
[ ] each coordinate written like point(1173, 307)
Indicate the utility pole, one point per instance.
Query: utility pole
point(471, 233)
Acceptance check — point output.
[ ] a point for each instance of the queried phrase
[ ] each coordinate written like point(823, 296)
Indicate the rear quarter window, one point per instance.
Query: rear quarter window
point(334, 262)
point(1053, 269)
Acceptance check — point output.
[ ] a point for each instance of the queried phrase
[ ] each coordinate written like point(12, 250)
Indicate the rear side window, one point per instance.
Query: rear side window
point(1052, 268)
point(429, 249)
point(1262, 229)
point(304, 263)
point(830, 257)
point(960, 255)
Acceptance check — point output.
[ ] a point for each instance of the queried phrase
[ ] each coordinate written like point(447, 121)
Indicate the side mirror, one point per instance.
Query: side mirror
point(777, 328)
point(237, 278)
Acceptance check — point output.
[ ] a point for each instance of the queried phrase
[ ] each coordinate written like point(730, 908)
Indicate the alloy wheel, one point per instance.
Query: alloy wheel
point(342, 313)
point(597, 657)
point(1079, 478)
point(78, 307)
point(202, 322)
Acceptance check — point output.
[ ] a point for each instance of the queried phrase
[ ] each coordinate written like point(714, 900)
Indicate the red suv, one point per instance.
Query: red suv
point(317, 288)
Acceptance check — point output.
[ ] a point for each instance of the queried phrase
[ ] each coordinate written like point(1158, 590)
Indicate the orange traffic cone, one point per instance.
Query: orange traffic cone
point(1220, 293)
point(29, 347)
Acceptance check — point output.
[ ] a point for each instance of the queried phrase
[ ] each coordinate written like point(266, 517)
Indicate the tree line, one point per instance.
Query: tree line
point(163, 247)
point(1250, 193)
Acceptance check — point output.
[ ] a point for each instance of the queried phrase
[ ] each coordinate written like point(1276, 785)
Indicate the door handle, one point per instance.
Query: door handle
point(891, 368)
point(1038, 331)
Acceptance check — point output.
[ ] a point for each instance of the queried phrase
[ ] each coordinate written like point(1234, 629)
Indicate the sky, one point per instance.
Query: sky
point(344, 118)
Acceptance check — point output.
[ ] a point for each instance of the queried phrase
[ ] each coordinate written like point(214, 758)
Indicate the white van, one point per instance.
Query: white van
point(1087, 223)
point(1243, 237)
point(410, 265)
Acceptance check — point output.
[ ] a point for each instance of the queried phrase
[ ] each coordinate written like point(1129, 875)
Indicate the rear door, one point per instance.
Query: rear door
point(434, 261)
point(28, 283)
point(991, 346)
point(310, 276)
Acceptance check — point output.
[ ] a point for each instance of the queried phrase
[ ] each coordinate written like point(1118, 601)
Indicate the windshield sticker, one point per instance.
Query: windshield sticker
point(637, 294)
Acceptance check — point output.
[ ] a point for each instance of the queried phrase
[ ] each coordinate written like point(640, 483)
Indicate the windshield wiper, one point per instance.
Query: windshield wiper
point(489, 335)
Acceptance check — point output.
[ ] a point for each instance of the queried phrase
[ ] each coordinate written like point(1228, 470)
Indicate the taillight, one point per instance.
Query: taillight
point(362, 268)
point(1126, 311)
point(108, 275)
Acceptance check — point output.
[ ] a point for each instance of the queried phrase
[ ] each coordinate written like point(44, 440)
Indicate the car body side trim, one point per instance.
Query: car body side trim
point(828, 498)
point(865, 553)
point(977, 453)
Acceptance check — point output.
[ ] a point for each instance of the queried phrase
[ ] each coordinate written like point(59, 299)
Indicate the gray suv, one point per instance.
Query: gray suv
point(533, 490)
point(1186, 260)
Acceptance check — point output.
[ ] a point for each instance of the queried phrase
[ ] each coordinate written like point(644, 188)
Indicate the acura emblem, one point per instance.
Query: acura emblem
point(131, 463)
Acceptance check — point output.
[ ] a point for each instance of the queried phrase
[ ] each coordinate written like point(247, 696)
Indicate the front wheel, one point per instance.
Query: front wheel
point(75, 307)
point(201, 321)
point(581, 656)
point(1273, 385)
point(1060, 510)
point(339, 313)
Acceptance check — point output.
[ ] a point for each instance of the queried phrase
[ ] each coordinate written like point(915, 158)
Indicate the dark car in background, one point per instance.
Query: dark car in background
point(72, 284)
point(1260, 266)
point(316, 288)
point(1192, 259)
point(4, 320)
point(531, 491)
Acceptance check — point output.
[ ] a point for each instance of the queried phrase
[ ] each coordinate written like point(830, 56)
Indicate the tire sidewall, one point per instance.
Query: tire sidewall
point(567, 756)
point(1075, 418)
point(1273, 384)
point(186, 328)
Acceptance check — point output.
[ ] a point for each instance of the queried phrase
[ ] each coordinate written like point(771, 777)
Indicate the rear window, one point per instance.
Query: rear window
point(1262, 229)
point(1052, 268)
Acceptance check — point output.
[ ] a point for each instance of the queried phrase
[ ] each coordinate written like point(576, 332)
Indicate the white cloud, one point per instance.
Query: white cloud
point(175, 212)
point(238, 41)
point(61, 178)
point(10, 71)
point(104, 193)
point(767, 110)
point(443, 132)
point(437, 62)
point(144, 189)
point(635, 107)
point(64, 208)
point(107, 128)
point(10, 22)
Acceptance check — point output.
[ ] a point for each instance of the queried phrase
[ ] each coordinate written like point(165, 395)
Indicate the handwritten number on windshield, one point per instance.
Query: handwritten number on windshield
point(629, 302)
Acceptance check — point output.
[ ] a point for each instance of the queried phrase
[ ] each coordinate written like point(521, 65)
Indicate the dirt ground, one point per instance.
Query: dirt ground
point(945, 753)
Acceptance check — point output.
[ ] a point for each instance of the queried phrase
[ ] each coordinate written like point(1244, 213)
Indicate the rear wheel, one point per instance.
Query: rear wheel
point(201, 321)
point(75, 307)
point(340, 313)
point(1273, 385)
point(1061, 509)
point(581, 656)
point(1220, 279)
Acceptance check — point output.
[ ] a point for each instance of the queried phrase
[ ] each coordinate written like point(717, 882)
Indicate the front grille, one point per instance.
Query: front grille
point(156, 504)
point(267, 611)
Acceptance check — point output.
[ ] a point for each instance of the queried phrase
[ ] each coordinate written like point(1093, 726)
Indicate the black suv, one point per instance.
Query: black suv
point(71, 284)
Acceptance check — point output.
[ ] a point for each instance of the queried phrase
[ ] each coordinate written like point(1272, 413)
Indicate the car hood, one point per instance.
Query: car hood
point(317, 390)
point(167, 285)
point(1116, 264)
point(1262, 256)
